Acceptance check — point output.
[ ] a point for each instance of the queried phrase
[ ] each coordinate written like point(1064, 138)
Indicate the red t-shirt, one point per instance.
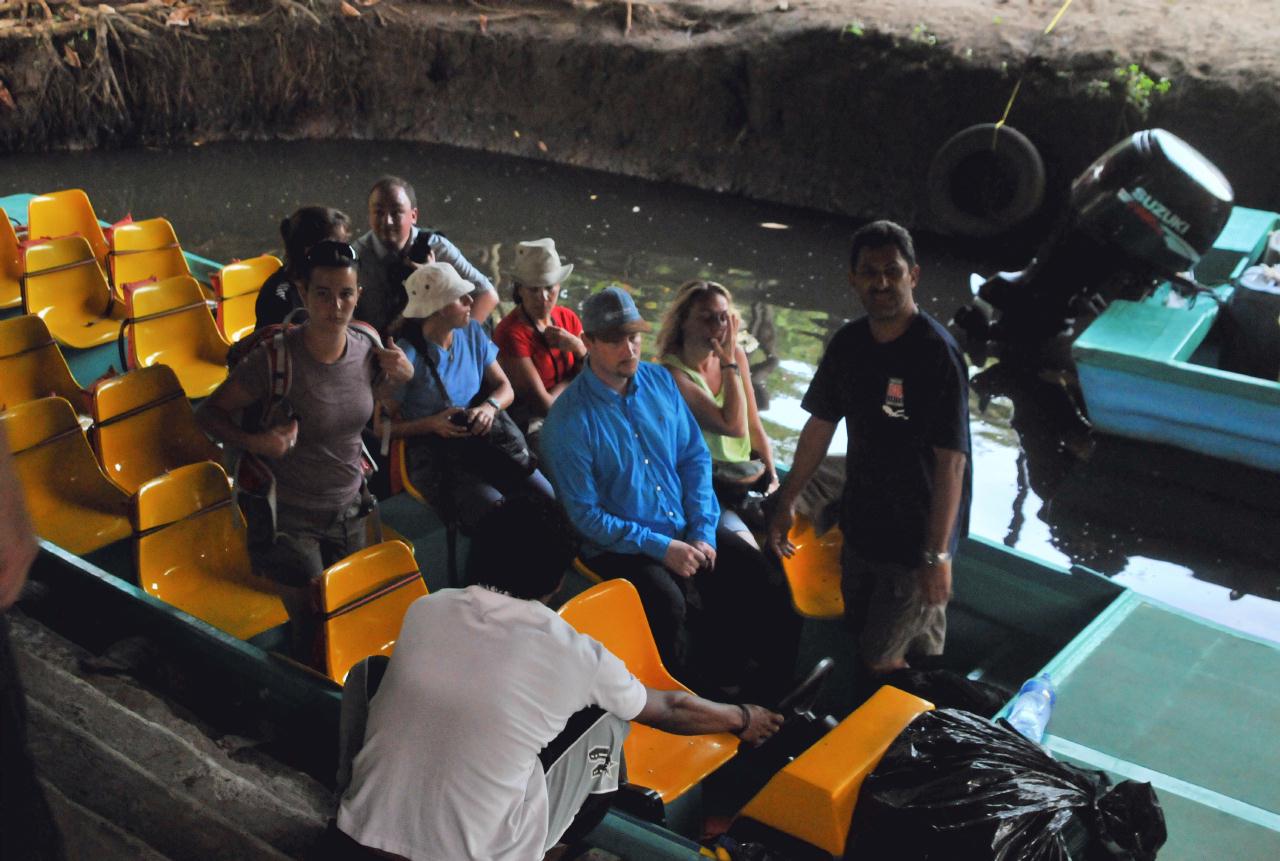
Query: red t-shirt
point(515, 337)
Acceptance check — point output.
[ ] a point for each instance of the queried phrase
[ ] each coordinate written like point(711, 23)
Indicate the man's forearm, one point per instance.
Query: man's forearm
point(815, 440)
point(683, 713)
point(948, 488)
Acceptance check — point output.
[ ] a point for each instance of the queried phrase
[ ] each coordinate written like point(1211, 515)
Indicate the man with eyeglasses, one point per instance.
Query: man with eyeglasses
point(395, 246)
point(634, 475)
point(901, 384)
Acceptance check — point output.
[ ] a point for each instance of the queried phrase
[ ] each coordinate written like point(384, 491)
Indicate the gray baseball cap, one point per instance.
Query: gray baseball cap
point(612, 310)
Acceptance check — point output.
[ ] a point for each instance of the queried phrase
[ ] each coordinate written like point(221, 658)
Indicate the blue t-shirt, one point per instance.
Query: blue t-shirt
point(461, 369)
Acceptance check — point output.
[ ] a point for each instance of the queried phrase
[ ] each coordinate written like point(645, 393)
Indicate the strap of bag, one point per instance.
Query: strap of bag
point(551, 351)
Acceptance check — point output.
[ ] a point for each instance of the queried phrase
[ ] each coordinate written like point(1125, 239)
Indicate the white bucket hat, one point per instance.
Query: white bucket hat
point(538, 265)
point(431, 287)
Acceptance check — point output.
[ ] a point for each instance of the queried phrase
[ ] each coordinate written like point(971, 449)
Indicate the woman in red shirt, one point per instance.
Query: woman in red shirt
point(539, 343)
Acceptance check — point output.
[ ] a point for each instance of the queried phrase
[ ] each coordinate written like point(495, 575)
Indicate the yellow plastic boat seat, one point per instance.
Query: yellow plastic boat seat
point(157, 264)
point(813, 573)
point(238, 286)
point(71, 501)
point(190, 552)
point(813, 797)
point(32, 366)
point(67, 213)
point(64, 286)
point(670, 765)
point(364, 598)
point(10, 264)
point(171, 325)
point(144, 427)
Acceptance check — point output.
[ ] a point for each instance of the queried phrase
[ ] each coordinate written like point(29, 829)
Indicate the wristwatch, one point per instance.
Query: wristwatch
point(933, 558)
point(491, 402)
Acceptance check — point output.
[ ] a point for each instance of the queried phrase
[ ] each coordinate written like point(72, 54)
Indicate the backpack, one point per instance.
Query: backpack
point(254, 482)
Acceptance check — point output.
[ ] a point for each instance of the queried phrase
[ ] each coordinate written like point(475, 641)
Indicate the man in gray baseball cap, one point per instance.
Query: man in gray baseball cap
point(634, 475)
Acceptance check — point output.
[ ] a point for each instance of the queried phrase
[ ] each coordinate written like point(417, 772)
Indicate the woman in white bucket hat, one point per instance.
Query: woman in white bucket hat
point(457, 393)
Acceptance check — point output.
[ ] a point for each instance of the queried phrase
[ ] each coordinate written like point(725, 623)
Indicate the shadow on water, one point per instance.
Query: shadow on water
point(1194, 534)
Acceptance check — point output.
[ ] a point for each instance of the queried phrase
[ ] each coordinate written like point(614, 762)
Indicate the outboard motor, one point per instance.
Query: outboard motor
point(1142, 213)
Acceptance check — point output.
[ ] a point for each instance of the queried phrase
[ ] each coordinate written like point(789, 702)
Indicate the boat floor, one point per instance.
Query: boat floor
point(1150, 694)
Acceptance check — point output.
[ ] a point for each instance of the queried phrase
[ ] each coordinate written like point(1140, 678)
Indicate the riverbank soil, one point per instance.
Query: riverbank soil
point(834, 104)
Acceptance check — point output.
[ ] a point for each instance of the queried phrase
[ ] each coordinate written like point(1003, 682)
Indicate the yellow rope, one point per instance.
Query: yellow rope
point(1062, 10)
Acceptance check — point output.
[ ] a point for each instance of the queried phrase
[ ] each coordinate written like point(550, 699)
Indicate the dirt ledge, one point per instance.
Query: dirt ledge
point(833, 104)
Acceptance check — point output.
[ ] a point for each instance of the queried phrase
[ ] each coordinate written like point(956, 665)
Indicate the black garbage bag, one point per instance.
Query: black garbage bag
point(957, 786)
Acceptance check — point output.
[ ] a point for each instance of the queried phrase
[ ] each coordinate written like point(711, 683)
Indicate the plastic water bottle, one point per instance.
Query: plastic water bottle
point(1032, 707)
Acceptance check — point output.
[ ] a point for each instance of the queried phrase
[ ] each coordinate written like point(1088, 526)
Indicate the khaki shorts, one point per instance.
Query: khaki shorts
point(884, 608)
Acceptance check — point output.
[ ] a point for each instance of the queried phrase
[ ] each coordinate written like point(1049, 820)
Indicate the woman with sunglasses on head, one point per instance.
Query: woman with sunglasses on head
point(310, 439)
point(308, 225)
point(540, 342)
point(698, 344)
point(464, 453)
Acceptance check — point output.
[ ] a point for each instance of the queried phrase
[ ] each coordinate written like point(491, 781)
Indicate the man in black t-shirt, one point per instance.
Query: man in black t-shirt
point(901, 383)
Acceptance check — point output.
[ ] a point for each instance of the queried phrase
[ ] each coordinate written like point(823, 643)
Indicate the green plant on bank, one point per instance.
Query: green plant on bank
point(853, 28)
point(920, 33)
point(1137, 87)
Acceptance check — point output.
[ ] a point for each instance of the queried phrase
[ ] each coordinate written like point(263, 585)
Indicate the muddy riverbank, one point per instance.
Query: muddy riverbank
point(832, 104)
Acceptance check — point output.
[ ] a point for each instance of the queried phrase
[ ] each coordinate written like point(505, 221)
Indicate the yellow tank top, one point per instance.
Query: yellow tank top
point(726, 449)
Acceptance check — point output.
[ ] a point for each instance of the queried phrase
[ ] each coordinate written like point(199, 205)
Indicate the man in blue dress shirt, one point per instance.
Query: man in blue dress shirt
point(634, 475)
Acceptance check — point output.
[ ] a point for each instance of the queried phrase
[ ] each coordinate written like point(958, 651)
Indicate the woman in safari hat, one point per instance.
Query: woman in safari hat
point(540, 342)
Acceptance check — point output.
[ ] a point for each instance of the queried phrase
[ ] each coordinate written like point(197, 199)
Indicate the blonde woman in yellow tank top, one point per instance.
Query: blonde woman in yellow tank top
point(697, 343)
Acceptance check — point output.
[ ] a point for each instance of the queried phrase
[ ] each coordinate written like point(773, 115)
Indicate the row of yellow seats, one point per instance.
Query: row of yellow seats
point(63, 280)
point(189, 538)
point(128, 252)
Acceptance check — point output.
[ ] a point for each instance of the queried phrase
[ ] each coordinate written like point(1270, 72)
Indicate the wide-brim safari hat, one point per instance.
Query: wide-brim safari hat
point(538, 265)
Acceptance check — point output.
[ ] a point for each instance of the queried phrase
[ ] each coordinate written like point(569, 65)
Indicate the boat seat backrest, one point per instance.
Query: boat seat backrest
point(31, 365)
point(363, 599)
point(142, 250)
point(813, 571)
point(670, 765)
point(67, 213)
point(238, 286)
point(190, 552)
point(812, 798)
point(63, 274)
point(144, 427)
point(10, 264)
point(170, 324)
point(71, 501)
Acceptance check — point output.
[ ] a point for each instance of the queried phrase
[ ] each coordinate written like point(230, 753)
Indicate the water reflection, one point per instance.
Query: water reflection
point(1041, 484)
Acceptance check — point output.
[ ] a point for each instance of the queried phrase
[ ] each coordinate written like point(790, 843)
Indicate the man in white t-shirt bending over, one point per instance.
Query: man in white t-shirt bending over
point(470, 751)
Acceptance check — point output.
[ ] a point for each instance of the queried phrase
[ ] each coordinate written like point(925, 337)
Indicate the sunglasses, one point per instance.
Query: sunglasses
point(331, 252)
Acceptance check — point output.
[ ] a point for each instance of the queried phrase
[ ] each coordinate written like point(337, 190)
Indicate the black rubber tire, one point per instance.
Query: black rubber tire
point(977, 191)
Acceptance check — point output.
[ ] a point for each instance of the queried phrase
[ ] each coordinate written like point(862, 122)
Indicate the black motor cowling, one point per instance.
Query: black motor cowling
point(1145, 211)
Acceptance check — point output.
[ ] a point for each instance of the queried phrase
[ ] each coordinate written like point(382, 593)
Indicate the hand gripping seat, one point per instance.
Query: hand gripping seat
point(237, 293)
point(190, 552)
point(144, 250)
point(144, 427)
point(72, 503)
point(813, 797)
point(64, 286)
point(364, 598)
point(668, 764)
point(32, 366)
point(67, 213)
point(170, 324)
point(813, 573)
point(10, 264)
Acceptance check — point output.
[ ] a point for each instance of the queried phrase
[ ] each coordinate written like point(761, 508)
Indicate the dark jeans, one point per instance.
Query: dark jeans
point(712, 629)
point(27, 829)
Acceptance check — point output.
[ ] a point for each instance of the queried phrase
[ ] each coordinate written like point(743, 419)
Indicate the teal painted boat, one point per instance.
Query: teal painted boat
point(1150, 369)
point(1145, 691)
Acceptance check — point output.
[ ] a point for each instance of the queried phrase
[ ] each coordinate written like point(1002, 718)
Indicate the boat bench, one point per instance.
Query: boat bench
point(1149, 330)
